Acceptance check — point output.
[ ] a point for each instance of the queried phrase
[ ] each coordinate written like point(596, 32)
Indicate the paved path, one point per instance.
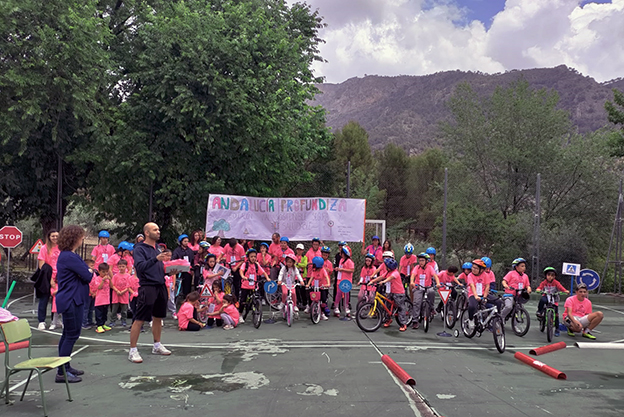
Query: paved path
point(330, 368)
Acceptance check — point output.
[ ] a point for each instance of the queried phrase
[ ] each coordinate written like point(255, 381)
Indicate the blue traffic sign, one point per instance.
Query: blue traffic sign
point(590, 278)
point(345, 286)
point(270, 287)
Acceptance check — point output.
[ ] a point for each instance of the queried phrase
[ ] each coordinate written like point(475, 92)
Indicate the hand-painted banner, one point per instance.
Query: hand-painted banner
point(297, 218)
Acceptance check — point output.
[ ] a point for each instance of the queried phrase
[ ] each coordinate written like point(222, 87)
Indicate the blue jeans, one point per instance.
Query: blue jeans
point(88, 312)
point(42, 310)
point(72, 325)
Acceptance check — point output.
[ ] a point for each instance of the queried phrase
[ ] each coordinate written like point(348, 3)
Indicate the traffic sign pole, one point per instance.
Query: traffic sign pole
point(444, 294)
point(8, 269)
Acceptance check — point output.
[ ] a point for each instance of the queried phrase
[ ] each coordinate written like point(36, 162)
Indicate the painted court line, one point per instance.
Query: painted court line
point(610, 309)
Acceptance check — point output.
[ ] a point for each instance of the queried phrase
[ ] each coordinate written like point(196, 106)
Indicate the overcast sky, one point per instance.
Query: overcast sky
point(416, 37)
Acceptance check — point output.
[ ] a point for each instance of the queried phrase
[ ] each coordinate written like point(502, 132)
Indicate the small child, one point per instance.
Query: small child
point(121, 289)
point(550, 284)
point(318, 277)
point(170, 282)
point(345, 271)
point(228, 312)
point(289, 275)
point(366, 274)
point(89, 306)
point(215, 302)
point(466, 270)
point(187, 316)
point(56, 317)
point(447, 279)
point(100, 287)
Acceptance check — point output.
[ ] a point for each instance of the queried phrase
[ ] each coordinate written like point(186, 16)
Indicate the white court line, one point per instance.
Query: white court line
point(17, 299)
point(19, 384)
point(610, 309)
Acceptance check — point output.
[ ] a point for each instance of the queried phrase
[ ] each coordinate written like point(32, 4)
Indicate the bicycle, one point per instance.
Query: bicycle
point(461, 303)
point(547, 319)
point(426, 311)
point(255, 301)
point(449, 309)
point(288, 311)
point(204, 294)
point(369, 295)
point(315, 303)
point(520, 320)
point(484, 318)
point(371, 315)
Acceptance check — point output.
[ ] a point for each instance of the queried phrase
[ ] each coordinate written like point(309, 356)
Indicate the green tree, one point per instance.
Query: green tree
point(393, 174)
point(53, 78)
point(615, 114)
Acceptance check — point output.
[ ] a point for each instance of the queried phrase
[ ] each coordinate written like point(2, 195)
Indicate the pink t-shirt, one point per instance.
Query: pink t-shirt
point(233, 254)
point(194, 247)
point(445, 277)
point(406, 264)
point(232, 311)
point(311, 253)
point(463, 277)
point(102, 253)
point(552, 286)
point(283, 253)
point(366, 274)
point(480, 282)
point(396, 284)
point(134, 284)
point(579, 308)
point(319, 275)
point(113, 262)
point(377, 252)
point(102, 296)
point(252, 275)
point(121, 282)
point(216, 300)
point(49, 258)
point(422, 276)
point(517, 281)
point(215, 250)
point(264, 260)
point(346, 264)
point(185, 315)
point(490, 276)
point(275, 250)
point(329, 266)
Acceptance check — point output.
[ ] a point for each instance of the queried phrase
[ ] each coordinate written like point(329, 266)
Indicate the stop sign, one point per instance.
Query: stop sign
point(10, 237)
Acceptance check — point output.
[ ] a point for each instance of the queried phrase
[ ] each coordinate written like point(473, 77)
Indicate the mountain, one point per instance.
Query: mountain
point(406, 110)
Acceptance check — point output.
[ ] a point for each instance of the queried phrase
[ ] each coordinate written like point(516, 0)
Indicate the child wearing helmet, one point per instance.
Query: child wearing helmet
point(337, 259)
point(407, 262)
point(478, 286)
point(122, 252)
point(422, 278)
point(466, 270)
point(489, 274)
point(397, 292)
point(250, 272)
point(366, 274)
point(264, 258)
point(431, 251)
point(448, 279)
point(289, 276)
point(550, 283)
point(381, 271)
point(319, 278)
point(103, 251)
point(515, 279)
point(345, 270)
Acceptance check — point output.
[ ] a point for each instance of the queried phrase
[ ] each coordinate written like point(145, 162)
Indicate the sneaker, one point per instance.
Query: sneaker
point(123, 323)
point(52, 326)
point(557, 333)
point(151, 323)
point(416, 325)
point(71, 378)
point(280, 306)
point(348, 311)
point(307, 310)
point(112, 324)
point(105, 327)
point(571, 333)
point(324, 317)
point(540, 314)
point(241, 320)
point(336, 312)
point(142, 329)
point(134, 357)
point(100, 329)
point(87, 327)
point(161, 350)
point(296, 309)
point(263, 302)
point(387, 324)
point(75, 371)
point(175, 316)
point(589, 336)
point(228, 327)
point(403, 328)
point(41, 326)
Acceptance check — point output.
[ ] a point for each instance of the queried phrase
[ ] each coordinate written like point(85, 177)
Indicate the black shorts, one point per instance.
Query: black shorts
point(151, 302)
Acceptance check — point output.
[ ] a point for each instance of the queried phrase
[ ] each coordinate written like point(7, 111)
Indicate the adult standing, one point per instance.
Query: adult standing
point(152, 298)
point(376, 250)
point(73, 293)
point(184, 251)
point(234, 255)
point(313, 252)
point(216, 249)
point(48, 254)
point(194, 240)
point(276, 254)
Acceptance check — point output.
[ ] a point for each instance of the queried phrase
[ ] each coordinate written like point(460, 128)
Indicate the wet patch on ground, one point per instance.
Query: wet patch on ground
point(204, 384)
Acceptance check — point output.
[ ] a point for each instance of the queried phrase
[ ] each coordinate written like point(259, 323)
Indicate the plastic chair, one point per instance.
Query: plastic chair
point(17, 335)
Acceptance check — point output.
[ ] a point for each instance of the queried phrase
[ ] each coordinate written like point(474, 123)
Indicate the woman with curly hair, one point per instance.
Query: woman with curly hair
point(73, 278)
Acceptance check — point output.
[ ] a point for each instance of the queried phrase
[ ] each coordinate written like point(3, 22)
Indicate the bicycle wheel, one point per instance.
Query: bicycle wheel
point(315, 312)
point(425, 311)
point(273, 300)
point(468, 326)
point(368, 318)
point(460, 305)
point(257, 312)
point(520, 321)
point(450, 314)
point(542, 323)
point(407, 308)
point(498, 330)
point(290, 311)
point(203, 317)
point(550, 324)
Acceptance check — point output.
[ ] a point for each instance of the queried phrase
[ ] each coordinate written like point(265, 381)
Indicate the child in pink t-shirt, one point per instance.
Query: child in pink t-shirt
point(188, 318)
point(345, 270)
point(228, 312)
point(121, 291)
point(56, 317)
point(100, 285)
point(366, 275)
point(215, 302)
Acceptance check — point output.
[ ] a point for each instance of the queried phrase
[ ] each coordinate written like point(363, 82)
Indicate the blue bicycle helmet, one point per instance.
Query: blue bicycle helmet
point(284, 239)
point(467, 265)
point(488, 261)
point(391, 264)
point(423, 255)
point(318, 262)
point(265, 244)
point(129, 246)
point(181, 237)
point(104, 233)
point(325, 249)
point(430, 250)
point(518, 261)
point(346, 250)
point(204, 244)
point(375, 237)
point(316, 239)
point(342, 243)
point(370, 256)
point(409, 248)
point(250, 250)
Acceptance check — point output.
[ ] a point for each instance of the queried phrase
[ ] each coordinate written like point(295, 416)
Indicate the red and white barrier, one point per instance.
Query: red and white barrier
point(540, 365)
point(397, 370)
point(594, 345)
point(548, 348)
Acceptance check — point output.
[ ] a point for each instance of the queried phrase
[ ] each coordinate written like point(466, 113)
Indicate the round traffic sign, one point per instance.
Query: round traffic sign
point(270, 287)
point(345, 286)
point(10, 237)
point(590, 278)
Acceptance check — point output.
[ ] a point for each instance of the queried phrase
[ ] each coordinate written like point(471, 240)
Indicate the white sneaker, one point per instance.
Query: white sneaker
point(52, 326)
point(307, 310)
point(228, 327)
point(240, 320)
point(134, 357)
point(337, 311)
point(324, 317)
point(263, 302)
point(280, 306)
point(161, 350)
point(151, 323)
point(348, 311)
point(41, 326)
point(296, 309)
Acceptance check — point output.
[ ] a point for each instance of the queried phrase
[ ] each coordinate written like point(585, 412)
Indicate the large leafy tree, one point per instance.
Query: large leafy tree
point(615, 114)
point(53, 74)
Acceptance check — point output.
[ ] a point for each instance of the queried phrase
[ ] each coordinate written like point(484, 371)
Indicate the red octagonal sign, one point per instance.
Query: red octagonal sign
point(10, 237)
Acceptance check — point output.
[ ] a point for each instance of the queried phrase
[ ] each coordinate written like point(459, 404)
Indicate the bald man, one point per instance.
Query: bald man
point(152, 299)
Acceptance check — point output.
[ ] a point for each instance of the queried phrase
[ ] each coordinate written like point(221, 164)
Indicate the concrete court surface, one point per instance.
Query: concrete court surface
point(328, 369)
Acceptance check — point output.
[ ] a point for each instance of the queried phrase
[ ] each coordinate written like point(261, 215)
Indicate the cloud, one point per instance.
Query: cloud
point(392, 37)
